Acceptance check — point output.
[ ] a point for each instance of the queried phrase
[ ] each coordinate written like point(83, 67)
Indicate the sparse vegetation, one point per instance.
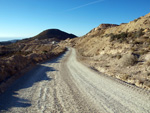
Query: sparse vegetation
point(45, 51)
point(118, 56)
point(119, 37)
point(126, 36)
point(117, 43)
point(137, 19)
point(148, 64)
point(138, 33)
point(142, 52)
point(128, 60)
point(146, 83)
point(124, 77)
point(18, 56)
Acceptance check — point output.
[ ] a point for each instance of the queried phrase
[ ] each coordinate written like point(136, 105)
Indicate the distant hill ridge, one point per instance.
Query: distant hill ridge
point(8, 42)
point(54, 33)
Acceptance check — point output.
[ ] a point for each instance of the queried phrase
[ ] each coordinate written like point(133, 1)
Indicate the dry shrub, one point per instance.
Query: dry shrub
point(118, 56)
point(139, 33)
point(118, 37)
point(142, 52)
point(148, 63)
point(133, 49)
point(140, 80)
point(124, 77)
point(148, 73)
point(143, 82)
point(137, 19)
point(128, 60)
point(146, 83)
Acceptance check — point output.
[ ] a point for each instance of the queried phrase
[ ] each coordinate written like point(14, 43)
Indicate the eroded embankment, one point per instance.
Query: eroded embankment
point(64, 85)
point(13, 67)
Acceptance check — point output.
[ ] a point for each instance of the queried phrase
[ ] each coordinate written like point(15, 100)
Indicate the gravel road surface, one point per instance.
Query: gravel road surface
point(64, 85)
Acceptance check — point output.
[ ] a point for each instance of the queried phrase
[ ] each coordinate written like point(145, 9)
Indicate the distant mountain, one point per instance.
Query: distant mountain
point(54, 34)
point(8, 42)
point(14, 41)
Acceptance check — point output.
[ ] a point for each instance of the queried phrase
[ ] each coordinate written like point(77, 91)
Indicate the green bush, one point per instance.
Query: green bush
point(126, 36)
point(119, 37)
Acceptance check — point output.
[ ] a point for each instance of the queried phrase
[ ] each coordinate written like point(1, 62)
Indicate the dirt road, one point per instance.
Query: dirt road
point(66, 86)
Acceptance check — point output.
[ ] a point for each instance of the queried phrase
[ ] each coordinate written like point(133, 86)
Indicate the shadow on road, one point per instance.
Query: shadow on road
point(57, 60)
point(9, 99)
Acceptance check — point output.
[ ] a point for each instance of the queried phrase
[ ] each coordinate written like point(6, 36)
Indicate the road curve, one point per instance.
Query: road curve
point(64, 85)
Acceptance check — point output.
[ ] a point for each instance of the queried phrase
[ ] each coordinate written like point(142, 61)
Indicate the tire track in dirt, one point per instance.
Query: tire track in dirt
point(64, 85)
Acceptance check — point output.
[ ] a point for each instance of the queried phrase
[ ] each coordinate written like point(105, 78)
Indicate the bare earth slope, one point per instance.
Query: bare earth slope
point(120, 51)
point(66, 85)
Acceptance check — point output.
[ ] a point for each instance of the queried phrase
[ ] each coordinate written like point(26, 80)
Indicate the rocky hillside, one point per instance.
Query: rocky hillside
point(16, 58)
point(101, 27)
point(121, 51)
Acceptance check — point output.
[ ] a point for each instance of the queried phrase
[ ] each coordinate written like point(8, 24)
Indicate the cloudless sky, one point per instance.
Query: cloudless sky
point(27, 18)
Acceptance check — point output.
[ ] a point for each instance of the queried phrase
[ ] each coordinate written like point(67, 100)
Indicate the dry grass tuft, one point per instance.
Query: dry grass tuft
point(128, 60)
point(124, 77)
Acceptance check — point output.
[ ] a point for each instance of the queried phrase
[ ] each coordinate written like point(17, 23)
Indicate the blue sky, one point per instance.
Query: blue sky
point(26, 18)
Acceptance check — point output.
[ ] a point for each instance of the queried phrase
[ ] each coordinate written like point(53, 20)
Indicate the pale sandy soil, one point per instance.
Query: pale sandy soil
point(65, 85)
